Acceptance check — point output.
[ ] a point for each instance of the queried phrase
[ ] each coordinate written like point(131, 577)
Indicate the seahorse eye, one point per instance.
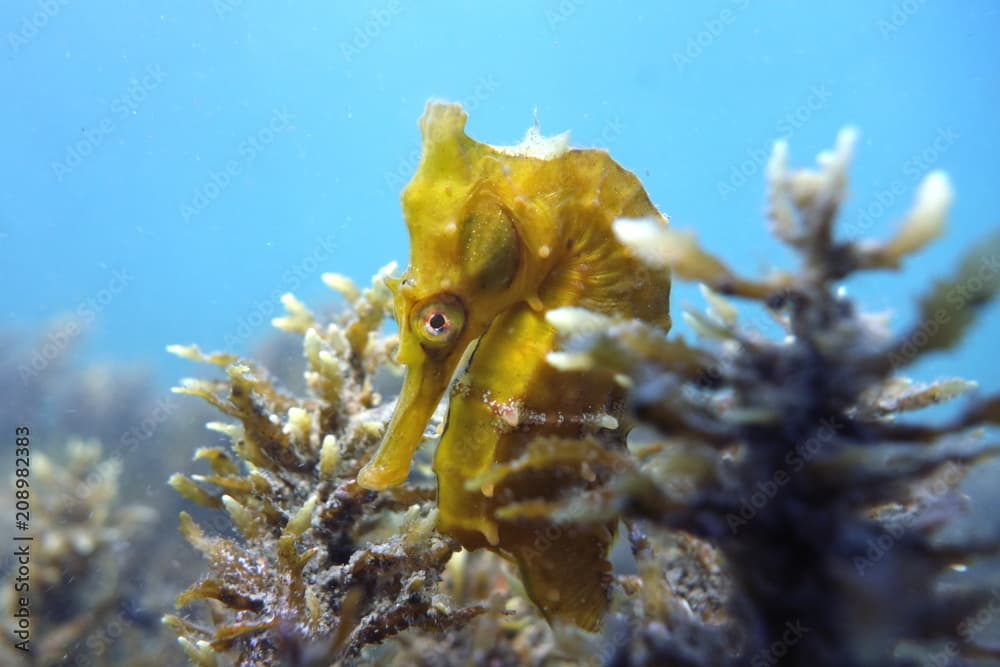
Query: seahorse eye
point(439, 321)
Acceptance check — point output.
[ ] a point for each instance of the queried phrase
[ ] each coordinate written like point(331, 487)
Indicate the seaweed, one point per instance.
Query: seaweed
point(779, 503)
point(103, 564)
point(320, 567)
point(82, 576)
point(795, 456)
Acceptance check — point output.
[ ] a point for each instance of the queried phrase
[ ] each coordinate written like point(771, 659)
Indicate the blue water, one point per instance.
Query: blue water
point(169, 168)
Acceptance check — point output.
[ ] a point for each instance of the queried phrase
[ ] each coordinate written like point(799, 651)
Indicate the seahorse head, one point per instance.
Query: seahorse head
point(478, 245)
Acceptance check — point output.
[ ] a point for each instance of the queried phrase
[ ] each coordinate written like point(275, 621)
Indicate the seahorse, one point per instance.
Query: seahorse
point(500, 236)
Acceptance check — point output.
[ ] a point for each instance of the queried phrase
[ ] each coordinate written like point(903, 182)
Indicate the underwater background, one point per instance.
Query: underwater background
point(172, 168)
point(218, 154)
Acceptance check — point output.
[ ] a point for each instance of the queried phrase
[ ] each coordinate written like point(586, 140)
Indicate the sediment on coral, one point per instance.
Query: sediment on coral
point(797, 457)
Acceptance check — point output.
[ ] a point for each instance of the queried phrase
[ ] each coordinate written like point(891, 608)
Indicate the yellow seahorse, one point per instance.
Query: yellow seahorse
point(498, 237)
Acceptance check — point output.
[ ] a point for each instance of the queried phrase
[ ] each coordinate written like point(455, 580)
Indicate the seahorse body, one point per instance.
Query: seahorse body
point(499, 236)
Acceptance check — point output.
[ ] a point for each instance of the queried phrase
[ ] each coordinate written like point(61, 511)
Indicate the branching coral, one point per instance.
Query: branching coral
point(824, 502)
